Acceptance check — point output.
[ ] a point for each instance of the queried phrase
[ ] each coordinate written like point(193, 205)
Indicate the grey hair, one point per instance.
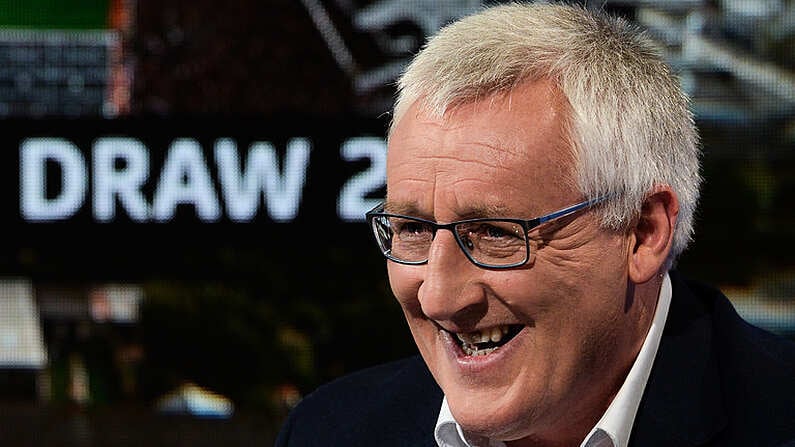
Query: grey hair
point(629, 124)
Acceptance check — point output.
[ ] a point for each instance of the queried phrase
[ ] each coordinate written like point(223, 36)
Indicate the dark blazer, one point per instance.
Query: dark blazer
point(716, 381)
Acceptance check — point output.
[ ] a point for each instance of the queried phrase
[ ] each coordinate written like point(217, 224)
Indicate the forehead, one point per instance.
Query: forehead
point(507, 151)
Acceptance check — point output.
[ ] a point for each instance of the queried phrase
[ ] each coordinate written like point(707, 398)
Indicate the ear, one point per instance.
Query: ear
point(651, 237)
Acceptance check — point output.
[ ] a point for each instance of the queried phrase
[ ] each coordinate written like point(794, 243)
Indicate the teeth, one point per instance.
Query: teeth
point(473, 350)
point(471, 339)
point(494, 335)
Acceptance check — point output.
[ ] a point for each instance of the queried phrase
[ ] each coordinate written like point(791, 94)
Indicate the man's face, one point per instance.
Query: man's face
point(506, 156)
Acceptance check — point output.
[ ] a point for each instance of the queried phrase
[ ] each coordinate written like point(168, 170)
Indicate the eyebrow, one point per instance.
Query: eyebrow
point(472, 211)
point(407, 208)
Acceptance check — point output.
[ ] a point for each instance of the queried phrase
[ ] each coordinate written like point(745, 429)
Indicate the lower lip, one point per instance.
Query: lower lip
point(476, 364)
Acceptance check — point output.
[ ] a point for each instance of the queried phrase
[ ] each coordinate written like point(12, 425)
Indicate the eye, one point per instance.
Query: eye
point(495, 231)
point(409, 229)
point(412, 227)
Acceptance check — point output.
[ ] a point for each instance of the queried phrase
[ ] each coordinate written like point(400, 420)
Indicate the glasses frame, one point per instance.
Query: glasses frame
point(526, 224)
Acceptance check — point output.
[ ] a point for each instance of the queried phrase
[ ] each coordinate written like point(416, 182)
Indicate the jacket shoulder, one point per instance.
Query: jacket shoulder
point(757, 378)
point(396, 403)
point(717, 379)
point(739, 341)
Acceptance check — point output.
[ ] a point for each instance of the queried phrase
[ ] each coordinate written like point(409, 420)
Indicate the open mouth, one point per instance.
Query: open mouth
point(486, 341)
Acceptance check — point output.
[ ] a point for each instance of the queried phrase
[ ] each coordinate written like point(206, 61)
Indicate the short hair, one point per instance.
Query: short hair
point(628, 121)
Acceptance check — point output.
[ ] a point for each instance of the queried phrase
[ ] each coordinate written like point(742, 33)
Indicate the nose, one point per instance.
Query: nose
point(449, 289)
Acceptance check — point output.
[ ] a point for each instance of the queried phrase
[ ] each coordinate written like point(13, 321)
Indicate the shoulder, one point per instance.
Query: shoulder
point(379, 387)
point(736, 339)
point(746, 374)
point(395, 403)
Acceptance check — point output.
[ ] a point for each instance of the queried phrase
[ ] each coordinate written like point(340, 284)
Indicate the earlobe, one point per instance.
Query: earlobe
point(652, 235)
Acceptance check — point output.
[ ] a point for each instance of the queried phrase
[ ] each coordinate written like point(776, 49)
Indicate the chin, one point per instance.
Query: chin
point(491, 416)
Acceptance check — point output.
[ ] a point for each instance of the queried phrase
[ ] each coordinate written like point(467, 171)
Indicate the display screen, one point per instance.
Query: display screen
point(184, 188)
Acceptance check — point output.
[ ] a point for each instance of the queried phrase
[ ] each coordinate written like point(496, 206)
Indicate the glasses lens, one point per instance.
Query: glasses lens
point(493, 242)
point(403, 239)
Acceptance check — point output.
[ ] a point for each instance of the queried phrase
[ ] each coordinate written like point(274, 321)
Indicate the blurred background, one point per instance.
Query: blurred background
point(184, 184)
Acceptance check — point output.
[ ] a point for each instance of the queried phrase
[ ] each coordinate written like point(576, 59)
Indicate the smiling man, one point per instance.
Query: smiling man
point(542, 176)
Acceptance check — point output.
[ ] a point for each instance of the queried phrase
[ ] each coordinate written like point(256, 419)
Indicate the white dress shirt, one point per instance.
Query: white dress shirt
point(615, 426)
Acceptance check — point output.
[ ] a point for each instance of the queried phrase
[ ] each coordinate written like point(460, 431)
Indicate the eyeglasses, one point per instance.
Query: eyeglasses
point(489, 243)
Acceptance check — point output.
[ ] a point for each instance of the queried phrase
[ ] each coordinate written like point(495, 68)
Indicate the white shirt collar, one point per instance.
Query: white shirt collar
point(615, 426)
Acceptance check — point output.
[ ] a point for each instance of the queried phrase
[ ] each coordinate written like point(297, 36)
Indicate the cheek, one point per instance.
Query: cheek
point(583, 304)
point(596, 267)
point(405, 282)
point(570, 288)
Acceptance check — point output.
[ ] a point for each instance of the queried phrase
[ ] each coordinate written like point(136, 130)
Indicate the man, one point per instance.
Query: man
point(566, 329)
